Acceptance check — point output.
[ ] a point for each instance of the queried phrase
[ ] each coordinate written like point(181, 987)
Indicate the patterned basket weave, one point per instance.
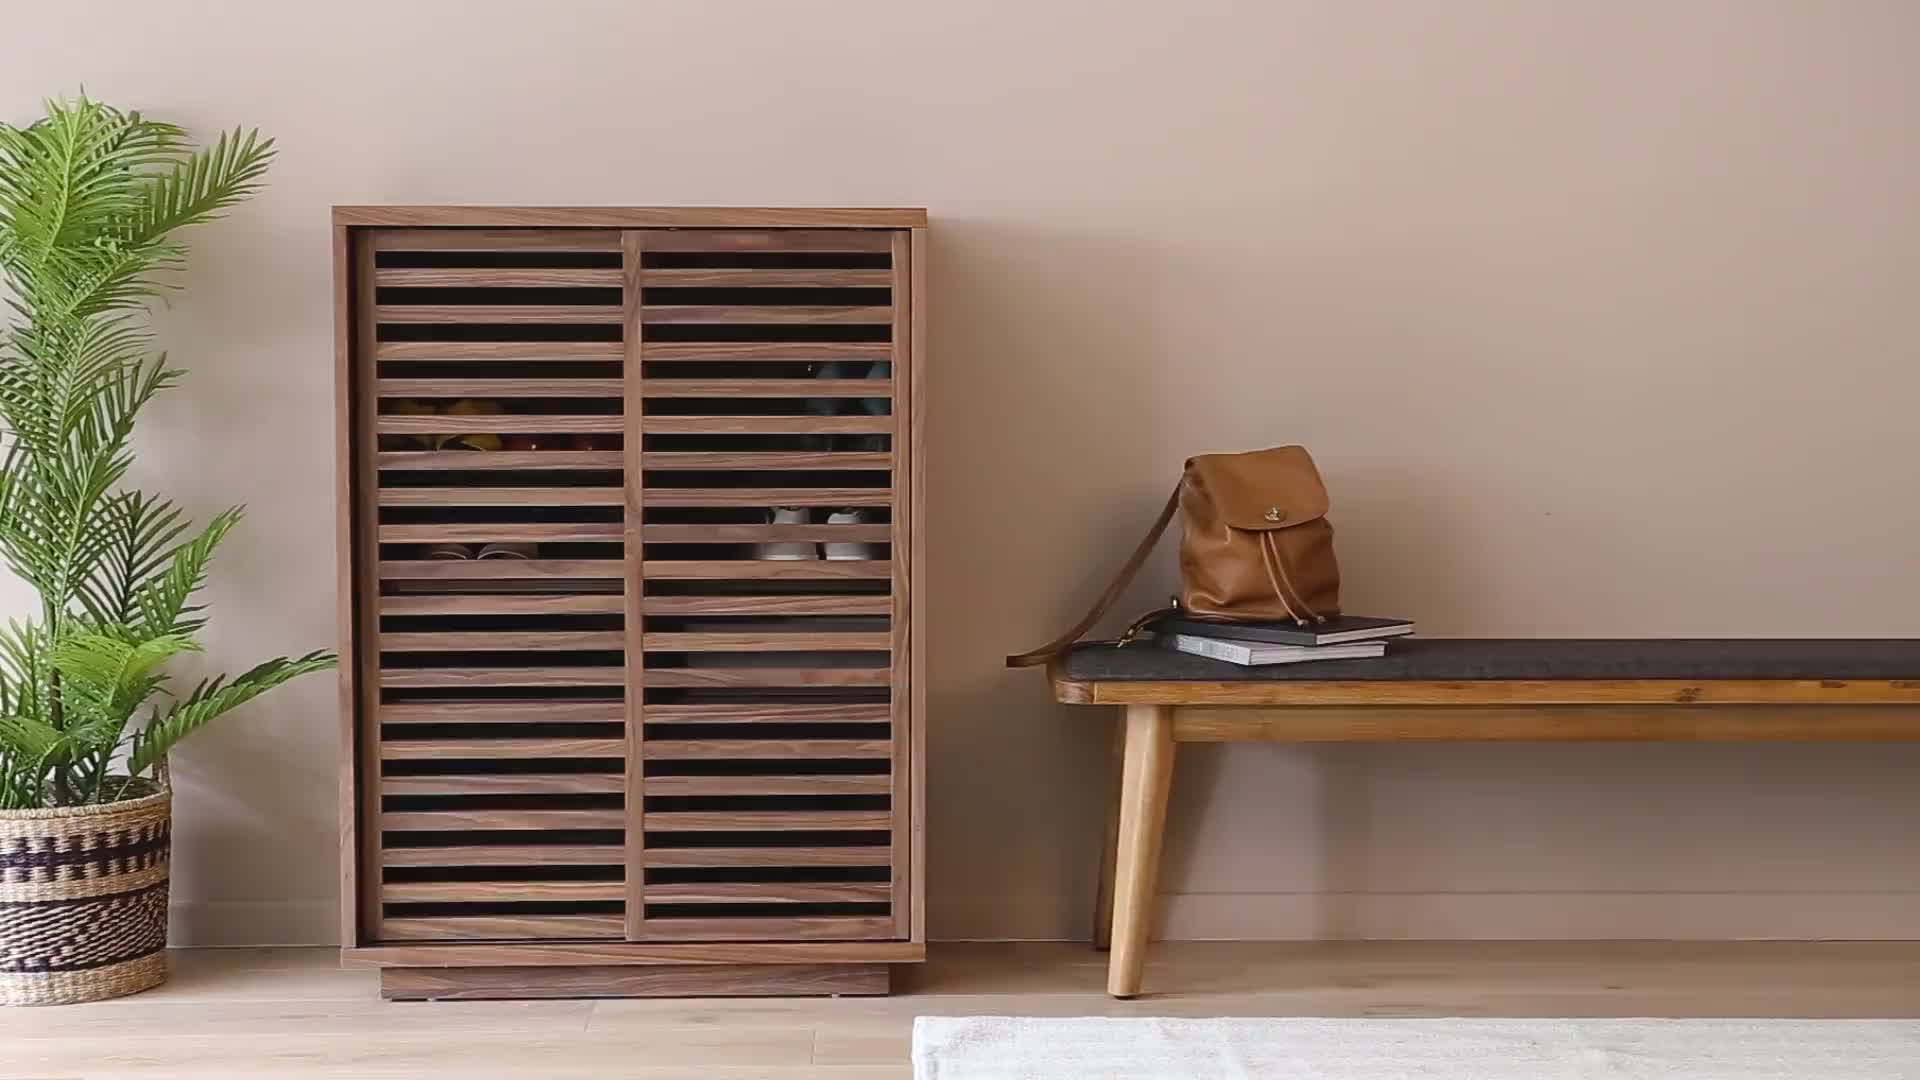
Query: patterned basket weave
point(83, 899)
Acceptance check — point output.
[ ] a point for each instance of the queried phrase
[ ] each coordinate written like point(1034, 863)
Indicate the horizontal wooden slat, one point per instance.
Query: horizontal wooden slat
point(774, 459)
point(766, 605)
point(657, 857)
point(768, 892)
point(421, 678)
point(710, 240)
point(500, 314)
point(492, 604)
point(520, 424)
point(499, 749)
point(497, 569)
point(771, 929)
point(501, 388)
point(495, 240)
point(765, 569)
point(753, 749)
point(570, 783)
point(499, 584)
point(503, 927)
point(764, 820)
point(506, 820)
point(762, 425)
point(502, 459)
point(462, 972)
point(721, 315)
point(662, 954)
point(760, 218)
point(456, 979)
point(503, 533)
point(505, 277)
point(513, 855)
point(502, 640)
point(764, 388)
point(503, 712)
point(461, 975)
point(745, 534)
point(754, 496)
point(748, 277)
point(769, 676)
point(749, 713)
point(769, 785)
point(711, 351)
point(762, 641)
point(501, 892)
point(503, 496)
point(519, 352)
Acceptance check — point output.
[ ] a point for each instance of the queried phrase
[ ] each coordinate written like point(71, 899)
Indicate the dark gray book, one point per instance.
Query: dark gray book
point(1337, 630)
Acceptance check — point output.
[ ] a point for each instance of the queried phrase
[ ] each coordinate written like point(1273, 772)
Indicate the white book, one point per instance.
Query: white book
point(1254, 653)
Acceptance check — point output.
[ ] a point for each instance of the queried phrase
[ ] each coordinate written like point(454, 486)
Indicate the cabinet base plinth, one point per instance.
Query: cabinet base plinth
point(693, 980)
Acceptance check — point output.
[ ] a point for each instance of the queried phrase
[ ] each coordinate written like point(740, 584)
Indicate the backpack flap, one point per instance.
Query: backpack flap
point(1261, 490)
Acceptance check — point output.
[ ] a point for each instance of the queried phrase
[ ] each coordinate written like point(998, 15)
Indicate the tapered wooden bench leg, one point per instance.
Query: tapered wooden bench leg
point(1103, 896)
point(1145, 777)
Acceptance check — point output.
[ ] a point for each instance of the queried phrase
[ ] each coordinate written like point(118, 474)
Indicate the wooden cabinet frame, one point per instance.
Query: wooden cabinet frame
point(501, 716)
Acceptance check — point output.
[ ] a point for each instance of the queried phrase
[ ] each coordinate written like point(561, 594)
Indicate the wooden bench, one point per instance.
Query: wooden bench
point(1463, 690)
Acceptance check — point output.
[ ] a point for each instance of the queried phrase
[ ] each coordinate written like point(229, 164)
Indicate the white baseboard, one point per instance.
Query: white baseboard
point(240, 923)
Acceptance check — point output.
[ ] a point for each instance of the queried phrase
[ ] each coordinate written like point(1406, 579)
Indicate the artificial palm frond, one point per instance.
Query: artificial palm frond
point(33, 737)
point(197, 187)
point(25, 663)
point(90, 197)
point(142, 530)
point(193, 189)
point(212, 698)
point(60, 178)
point(103, 673)
point(162, 602)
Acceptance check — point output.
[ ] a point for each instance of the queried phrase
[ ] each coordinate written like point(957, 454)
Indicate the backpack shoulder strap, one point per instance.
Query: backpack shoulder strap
point(1120, 581)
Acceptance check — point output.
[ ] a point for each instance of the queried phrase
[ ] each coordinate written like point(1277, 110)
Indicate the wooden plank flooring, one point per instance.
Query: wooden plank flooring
point(294, 1014)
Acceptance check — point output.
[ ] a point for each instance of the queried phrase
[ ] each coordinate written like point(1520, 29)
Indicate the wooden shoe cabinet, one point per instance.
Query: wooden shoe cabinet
point(626, 753)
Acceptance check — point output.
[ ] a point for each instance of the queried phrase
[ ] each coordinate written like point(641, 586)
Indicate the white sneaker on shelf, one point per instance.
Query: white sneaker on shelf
point(849, 549)
point(786, 550)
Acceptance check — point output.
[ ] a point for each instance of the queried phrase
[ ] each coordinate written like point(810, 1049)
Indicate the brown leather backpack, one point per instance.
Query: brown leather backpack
point(1254, 545)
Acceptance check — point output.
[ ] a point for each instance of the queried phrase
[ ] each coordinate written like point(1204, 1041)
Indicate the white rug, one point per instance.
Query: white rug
point(1015, 1048)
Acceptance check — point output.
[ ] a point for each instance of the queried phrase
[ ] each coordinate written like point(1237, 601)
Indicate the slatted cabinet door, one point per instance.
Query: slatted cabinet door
point(632, 513)
point(492, 379)
point(771, 418)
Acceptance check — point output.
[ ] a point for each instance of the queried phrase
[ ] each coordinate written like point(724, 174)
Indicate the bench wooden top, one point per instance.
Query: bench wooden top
point(1469, 671)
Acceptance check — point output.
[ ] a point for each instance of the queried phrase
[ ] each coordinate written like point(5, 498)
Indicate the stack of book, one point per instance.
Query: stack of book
point(1344, 637)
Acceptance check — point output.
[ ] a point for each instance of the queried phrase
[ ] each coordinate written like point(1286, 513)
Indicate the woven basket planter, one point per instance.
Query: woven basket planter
point(83, 899)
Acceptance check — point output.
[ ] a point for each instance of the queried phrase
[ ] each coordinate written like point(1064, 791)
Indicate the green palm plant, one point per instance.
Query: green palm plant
point(90, 197)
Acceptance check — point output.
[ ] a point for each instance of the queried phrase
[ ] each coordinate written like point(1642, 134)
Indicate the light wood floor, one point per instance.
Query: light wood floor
point(293, 1013)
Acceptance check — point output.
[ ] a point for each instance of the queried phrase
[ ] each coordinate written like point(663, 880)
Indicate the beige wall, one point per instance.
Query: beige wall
point(1602, 319)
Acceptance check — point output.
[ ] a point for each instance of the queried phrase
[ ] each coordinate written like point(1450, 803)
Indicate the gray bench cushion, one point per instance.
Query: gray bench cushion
point(1476, 659)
